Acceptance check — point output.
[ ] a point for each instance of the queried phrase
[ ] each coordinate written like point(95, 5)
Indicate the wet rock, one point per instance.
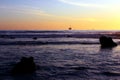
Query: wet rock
point(26, 65)
point(111, 73)
point(35, 38)
point(107, 42)
point(80, 68)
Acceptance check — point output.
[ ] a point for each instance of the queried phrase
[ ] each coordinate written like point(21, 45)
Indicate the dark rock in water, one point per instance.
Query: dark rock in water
point(80, 68)
point(111, 73)
point(107, 42)
point(12, 37)
point(69, 36)
point(34, 38)
point(26, 65)
point(2, 36)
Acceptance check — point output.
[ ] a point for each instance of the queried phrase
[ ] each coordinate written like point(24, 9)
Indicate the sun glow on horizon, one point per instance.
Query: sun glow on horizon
point(59, 14)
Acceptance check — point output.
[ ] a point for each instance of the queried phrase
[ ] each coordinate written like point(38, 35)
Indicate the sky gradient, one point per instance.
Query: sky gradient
point(59, 14)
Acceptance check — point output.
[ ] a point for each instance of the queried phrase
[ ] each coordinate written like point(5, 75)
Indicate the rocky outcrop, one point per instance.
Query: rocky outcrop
point(107, 42)
point(26, 65)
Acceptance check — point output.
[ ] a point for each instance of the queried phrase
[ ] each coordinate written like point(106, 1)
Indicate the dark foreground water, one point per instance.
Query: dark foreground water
point(60, 55)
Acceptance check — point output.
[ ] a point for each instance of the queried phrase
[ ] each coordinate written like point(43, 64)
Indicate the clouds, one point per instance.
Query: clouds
point(76, 3)
point(24, 10)
point(92, 3)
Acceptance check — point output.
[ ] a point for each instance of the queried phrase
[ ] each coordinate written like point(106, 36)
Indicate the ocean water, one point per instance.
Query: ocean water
point(60, 55)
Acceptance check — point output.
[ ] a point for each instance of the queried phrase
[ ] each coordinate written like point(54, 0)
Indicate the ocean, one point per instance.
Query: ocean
point(60, 55)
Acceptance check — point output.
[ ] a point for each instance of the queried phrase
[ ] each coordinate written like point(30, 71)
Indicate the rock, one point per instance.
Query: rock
point(35, 38)
point(26, 65)
point(107, 42)
point(111, 73)
point(80, 68)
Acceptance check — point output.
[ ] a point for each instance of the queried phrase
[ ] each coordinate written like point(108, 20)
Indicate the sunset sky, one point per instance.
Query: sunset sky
point(59, 14)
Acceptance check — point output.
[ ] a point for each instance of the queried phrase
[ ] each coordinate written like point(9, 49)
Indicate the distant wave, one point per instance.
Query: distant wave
point(44, 43)
point(58, 34)
point(53, 37)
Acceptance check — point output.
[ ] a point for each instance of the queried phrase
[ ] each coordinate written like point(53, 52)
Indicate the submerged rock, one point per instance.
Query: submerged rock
point(80, 68)
point(107, 42)
point(26, 65)
point(35, 38)
point(111, 73)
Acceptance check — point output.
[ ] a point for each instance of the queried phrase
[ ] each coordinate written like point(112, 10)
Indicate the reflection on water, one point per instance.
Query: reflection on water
point(78, 56)
point(63, 62)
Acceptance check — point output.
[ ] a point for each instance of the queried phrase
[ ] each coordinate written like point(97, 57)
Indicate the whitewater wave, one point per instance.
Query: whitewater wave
point(53, 37)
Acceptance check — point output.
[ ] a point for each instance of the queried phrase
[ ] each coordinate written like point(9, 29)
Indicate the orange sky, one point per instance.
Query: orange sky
point(59, 15)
